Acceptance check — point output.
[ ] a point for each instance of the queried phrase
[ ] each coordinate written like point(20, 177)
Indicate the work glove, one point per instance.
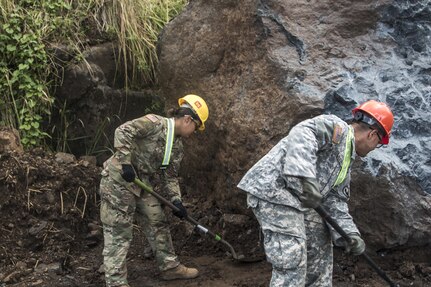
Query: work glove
point(357, 246)
point(128, 172)
point(182, 210)
point(310, 196)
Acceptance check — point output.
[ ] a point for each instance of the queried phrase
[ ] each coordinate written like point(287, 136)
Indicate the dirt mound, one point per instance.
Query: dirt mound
point(48, 206)
point(51, 235)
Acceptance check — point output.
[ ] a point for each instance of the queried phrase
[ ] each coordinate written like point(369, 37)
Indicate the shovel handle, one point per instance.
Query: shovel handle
point(156, 195)
point(325, 215)
point(188, 218)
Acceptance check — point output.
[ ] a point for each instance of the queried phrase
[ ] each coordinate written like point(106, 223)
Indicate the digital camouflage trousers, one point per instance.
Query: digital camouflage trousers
point(297, 244)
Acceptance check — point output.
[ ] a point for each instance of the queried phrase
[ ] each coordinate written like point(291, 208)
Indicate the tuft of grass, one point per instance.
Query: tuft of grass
point(136, 26)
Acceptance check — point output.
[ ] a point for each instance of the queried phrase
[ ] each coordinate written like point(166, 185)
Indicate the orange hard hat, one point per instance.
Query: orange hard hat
point(373, 112)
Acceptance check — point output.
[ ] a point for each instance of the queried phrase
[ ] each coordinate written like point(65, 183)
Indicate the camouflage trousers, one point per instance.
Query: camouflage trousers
point(297, 244)
point(117, 211)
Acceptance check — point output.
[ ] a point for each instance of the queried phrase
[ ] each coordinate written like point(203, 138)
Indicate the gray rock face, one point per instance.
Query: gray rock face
point(399, 75)
point(265, 65)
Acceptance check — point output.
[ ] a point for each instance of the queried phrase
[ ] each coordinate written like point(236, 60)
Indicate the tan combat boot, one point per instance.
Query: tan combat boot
point(180, 272)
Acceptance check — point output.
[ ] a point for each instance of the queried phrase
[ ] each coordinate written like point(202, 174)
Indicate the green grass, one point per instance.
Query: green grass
point(28, 67)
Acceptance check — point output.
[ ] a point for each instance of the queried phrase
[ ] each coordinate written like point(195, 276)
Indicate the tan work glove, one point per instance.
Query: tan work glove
point(311, 196)
point(357, 246)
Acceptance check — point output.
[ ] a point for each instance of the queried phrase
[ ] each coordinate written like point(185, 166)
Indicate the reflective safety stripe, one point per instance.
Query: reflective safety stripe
point(347, 157)
point(169, 143)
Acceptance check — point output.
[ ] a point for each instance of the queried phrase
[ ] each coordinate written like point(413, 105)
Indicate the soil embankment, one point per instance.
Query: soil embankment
point(51, 236)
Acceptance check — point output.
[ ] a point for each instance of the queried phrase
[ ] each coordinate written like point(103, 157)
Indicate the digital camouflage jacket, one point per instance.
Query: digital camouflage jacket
point(313, 148)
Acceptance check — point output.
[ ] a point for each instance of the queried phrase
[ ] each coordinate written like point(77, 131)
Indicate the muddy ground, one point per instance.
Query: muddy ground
point(50, 235)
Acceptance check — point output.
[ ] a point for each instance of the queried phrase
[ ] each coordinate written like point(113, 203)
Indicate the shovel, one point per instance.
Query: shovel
point(324, 214)
point(201, 228)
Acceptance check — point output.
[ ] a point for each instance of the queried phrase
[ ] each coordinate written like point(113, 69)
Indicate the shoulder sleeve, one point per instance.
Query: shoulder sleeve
point(302, 145)
point(128, 132)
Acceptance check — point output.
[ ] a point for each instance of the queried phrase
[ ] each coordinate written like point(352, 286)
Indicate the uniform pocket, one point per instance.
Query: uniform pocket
point(117, 196)
point(284, 251)
point(107, 215)
point(252, 201)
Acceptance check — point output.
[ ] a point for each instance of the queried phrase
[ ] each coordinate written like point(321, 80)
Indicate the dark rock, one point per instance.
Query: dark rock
point(62, 157)
point(10, 141)
point(88, 160)
point(36, 229)
point(21, 265)
point(51, 267)
point(424, 269)
point(262, 69)
point(234, 220)
point(407, 269)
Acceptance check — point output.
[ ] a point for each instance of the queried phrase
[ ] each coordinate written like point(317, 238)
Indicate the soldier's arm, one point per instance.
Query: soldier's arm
point(302, 145)
point(170, 178)
point(336, 205)
point(126, 134)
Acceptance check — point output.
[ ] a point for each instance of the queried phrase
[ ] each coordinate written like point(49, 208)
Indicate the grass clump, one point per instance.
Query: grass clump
point(136, 26)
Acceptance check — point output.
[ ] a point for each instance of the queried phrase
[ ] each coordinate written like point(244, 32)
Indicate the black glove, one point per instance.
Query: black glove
point(357, 246)
point(182, 212)
point(310, 196)
point(128, 172)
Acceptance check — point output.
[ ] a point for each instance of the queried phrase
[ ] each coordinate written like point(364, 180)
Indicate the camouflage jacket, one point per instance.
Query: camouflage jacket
point(313, 148)
point(141, 142)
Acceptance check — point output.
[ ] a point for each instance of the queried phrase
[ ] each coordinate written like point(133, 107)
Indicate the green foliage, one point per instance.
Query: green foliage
point(26, 67)
point(28, 74)
point(23, 72)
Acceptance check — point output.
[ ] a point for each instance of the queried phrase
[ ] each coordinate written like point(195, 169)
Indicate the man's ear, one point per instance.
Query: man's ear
point(370, 134)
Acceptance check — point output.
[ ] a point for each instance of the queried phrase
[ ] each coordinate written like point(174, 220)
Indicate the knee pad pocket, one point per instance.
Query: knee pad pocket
point(114, 217)
point(284, 251)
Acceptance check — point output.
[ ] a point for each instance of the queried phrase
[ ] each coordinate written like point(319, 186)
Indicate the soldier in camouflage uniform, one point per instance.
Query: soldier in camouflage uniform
point(150, 148)
point(309, 167)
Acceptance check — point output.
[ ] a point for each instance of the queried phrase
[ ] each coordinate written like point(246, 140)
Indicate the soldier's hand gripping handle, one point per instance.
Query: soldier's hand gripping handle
point(128, 173)
point(311, 196)
point(182, 212)
point(356, 246)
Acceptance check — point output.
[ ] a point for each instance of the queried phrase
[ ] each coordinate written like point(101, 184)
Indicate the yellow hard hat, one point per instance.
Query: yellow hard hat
point(198, 105)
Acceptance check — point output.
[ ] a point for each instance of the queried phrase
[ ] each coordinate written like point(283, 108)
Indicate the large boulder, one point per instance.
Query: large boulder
point(265, 65)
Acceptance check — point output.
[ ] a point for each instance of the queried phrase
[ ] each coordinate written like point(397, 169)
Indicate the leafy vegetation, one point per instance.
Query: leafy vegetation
point(29, 29)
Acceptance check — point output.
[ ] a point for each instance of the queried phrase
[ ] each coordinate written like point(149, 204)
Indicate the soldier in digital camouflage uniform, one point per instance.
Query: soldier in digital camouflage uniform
point(144, 149)
point(311, 166)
